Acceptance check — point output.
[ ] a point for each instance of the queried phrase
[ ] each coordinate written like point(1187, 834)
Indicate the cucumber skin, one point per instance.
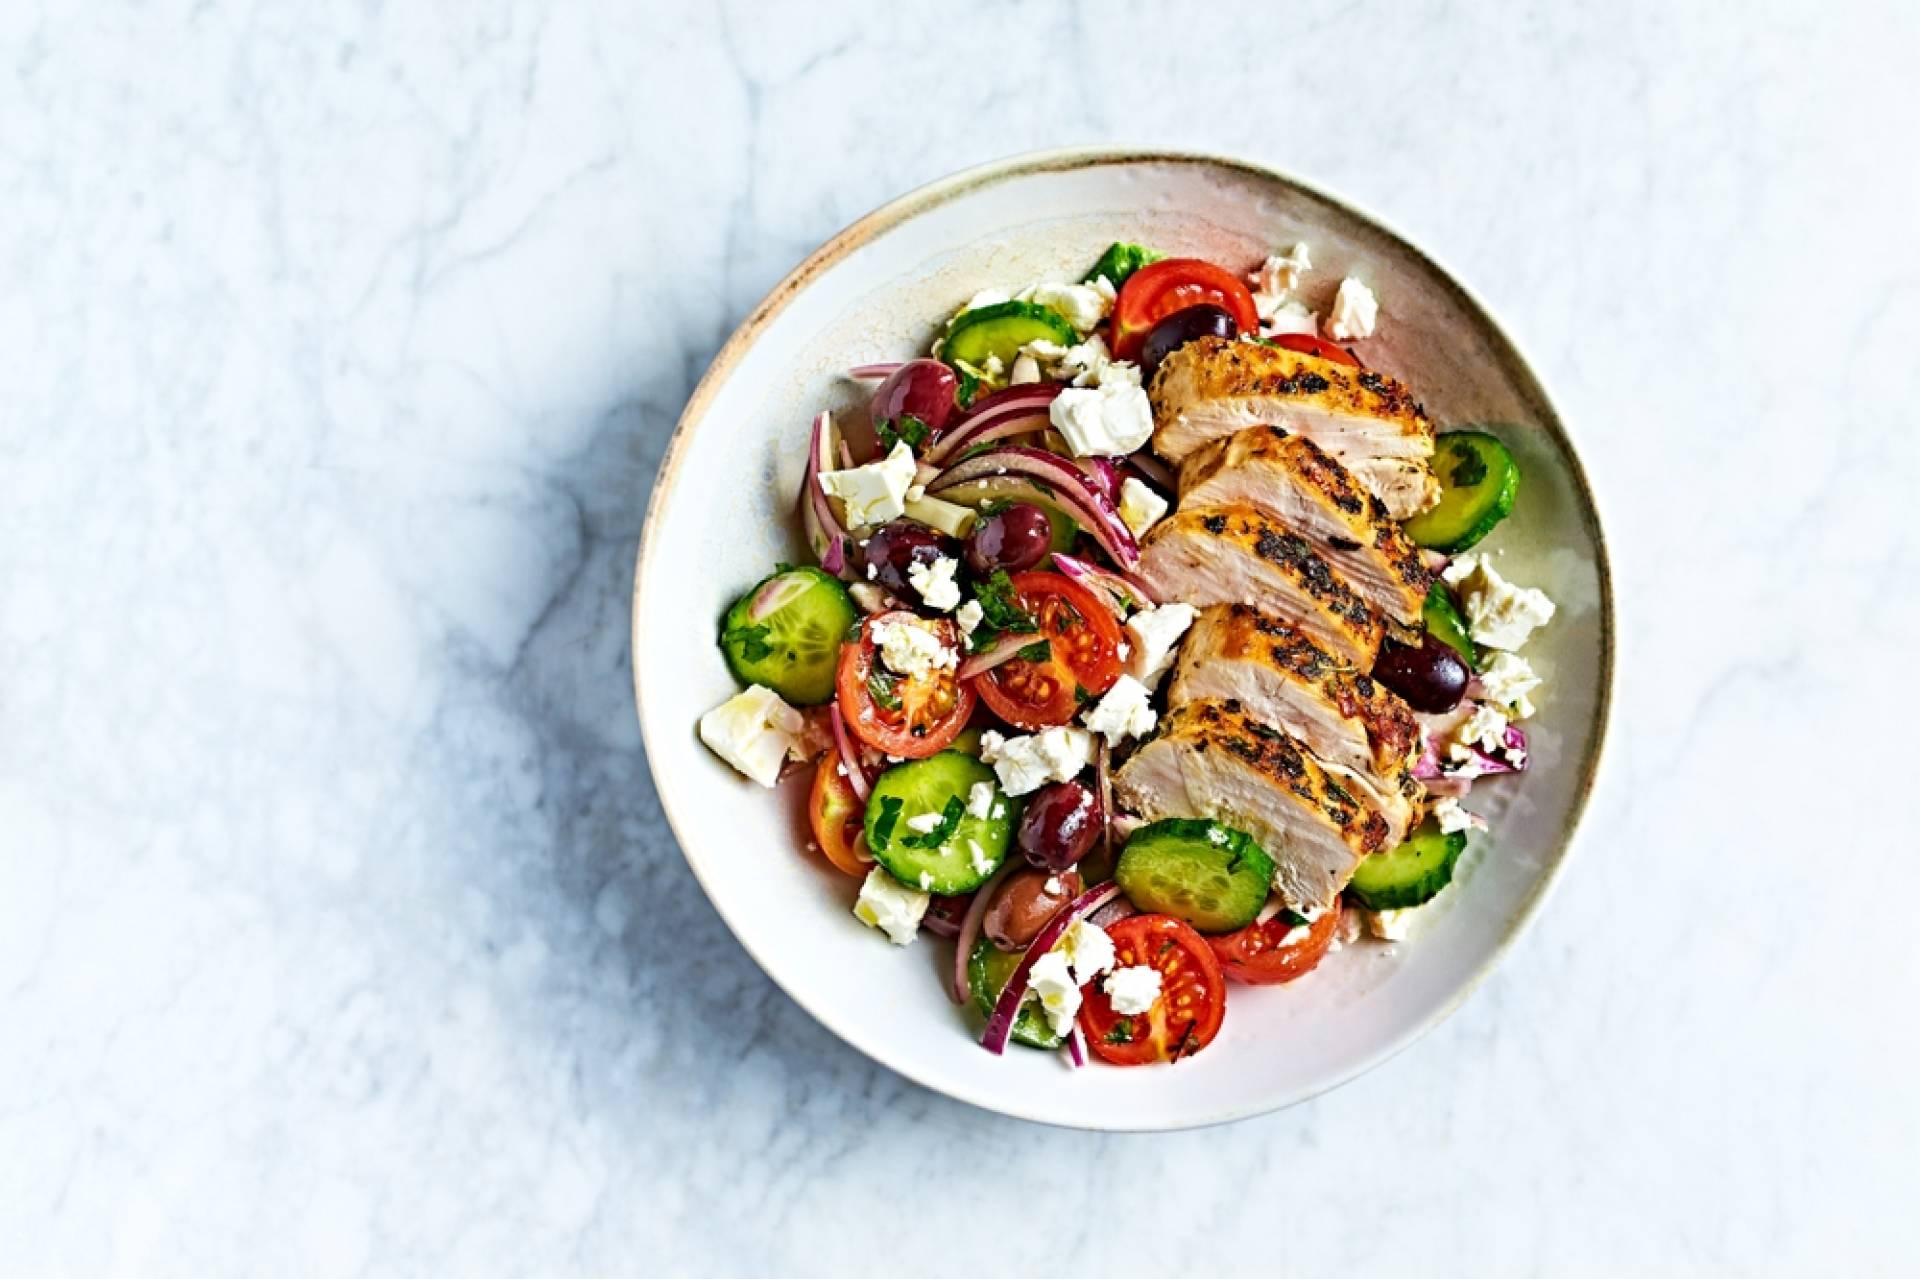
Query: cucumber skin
point(1246, 861)
point(1045, 323)
point(816, 691)
point(905, 864)
point(1388, 880)
point(1029, 1024)
point(1501, 506)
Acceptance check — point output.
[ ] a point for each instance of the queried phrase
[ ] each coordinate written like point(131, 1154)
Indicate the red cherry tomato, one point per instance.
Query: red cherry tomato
point(911, 717)
point(1260, 955)
point(1083, 654)
point(1159, 289)
point(1192, 1002)
point(837, 818)
point(1308, 344)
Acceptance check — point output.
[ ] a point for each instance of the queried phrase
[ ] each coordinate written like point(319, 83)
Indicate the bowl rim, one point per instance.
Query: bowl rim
point(941, 191)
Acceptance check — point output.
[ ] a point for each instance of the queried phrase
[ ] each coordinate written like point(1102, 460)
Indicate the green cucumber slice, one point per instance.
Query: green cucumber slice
point(1478, 483)
point(1409, 874)
point(1001, 330)
point(982, 495)
point(1120, 261)
point(939, 860)
point(1444, 623)
point(988, 968)
point(1212, 876)
point(793, 646)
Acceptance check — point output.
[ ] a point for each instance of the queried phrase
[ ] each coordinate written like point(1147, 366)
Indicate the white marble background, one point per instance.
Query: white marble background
point(339, 930)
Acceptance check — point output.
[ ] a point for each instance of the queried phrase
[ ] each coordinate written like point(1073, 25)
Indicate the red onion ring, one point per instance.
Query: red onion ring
point(960, 989)
point(1002, 650)
point(850, 760)
point(1077, 1047)
point(1121, 591)
point(1071, 489)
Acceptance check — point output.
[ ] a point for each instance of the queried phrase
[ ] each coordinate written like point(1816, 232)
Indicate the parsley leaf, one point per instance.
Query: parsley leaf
point(949, 823)
point(906, 429)
point(1039, 651)
point(968, 388)
point(889, 815)
point(1122, 1031)
point(1294, 919)
point(1468, 467)
point(880, 686)
point(750, 641)
point(1000, 612)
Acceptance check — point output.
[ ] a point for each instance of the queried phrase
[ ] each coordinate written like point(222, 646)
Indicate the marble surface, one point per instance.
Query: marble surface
point(339, 930)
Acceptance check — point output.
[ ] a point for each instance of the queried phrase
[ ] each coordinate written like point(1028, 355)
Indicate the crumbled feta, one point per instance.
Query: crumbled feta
point(1281, 272)
point(980, 799)
point(926, 881)
point(1289, 317)
point(1088, 948)
point(1485, 728)
point(889, 905)
point(876, 492)
point(1133, 989)
point(1355, 312)
point(1140, 507)
point(1051, 982)
point(753, 731)
point(1025, 369)
point(1110, 421)
point(1451, 817)
point(1081, 305)
point(1499, 614)
point(1123, 712)
point(1388, 925)
point(935, 582)
point(969, 615)
point(1087, 363)
point(1156, 633)
point(1025, 764)
point(977, 857)
point(907, 648)
point(1507, 680)
point(921, 823)
point(985, 297)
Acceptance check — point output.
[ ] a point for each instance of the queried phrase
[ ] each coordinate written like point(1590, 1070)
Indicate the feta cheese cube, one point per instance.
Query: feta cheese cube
point(1451, 817)
point(1289, 317)
point(876, 492)
point(1025, 764)
point(985, 297)
point(1081, 305)
point(1133, 989)
point(1110, 421)
point(980, 799)
point(1140, 507)
point(1026, 369)
point(753, 731)
point(1051, 982)
point(1485, 728)
point(1281, 272)
point(1123, 712)
point(1499, 614)
point(1156, 633)
point(1087, 948)
point(935, 582)
point(921, 823)
point(1388, 925)
point(1508, 679)
point(889, 905)
point(969, 615)
point(1355, 312)
point(910, 649)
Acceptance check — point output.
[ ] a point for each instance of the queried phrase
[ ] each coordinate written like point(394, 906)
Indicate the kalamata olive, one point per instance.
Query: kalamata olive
point(1430, 678)
point(1023, 904)
point(922, 389)
point(895, 546)
point(1015, 538)
point(1060, 825)
point(1184, 326)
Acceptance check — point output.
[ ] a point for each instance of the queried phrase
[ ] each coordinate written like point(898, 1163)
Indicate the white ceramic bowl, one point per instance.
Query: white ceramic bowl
point(722, 514)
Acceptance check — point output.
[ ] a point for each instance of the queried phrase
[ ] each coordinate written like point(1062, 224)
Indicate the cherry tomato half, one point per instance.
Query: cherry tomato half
point(1082, 661)
point(837, 818)
point(1308, 344)
point(1192, 1002)
point(908, 716)
point(1260, 955)
point(1157, 290)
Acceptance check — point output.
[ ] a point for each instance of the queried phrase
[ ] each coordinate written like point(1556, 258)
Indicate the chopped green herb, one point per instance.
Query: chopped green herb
point(889, 815)
point(880, 686)
point(1000, 612)
point(1120, 261)
point(968, 388)
point(752, 641)
point(1294, 919)
point(906, 429)
point(1121, 1032)
point(949, 823)
point(1468, 467)
point(1039, 651)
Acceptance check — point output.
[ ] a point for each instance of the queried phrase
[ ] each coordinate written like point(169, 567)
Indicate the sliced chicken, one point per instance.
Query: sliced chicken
point(1236, 554)
point(1211, 759)
point(1369, 422)
point(1355, 728)
point(1292, 479)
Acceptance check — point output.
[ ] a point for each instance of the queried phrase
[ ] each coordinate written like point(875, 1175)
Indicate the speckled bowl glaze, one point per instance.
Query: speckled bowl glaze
point(722, 514)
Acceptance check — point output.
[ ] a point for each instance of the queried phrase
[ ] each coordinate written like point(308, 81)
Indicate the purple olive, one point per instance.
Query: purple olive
point(922, 389)
point(893, 547)
point(1060, 825)
point(1430, 678)
point(1014, 538)
point(1187, 325)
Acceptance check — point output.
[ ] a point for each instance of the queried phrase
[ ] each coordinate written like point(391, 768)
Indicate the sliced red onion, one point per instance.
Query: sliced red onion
point(1000, 1025)
point(1104, 474)
point(1002, 650)
point(825, 534)
point(872, 370)
point(1124, 824)
point(960, 989)
point(1069, 487)
point(1449, 787)
point(1122, 592)
point(925, 473)
point(1434, 561)
point(1014, 411)
point(944, 915)
point(1112, 913)
point(1077, 1047)
point(1153, 470)
point(850, 761)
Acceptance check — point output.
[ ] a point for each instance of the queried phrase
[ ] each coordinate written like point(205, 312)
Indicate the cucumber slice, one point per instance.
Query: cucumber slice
point(939, 785)
point(1478, 482)
point(786, 632)
point(1411, 873)
point(1120, 261)
point(982, 495)
point(988, 968)
point(1212, 876)
point(1444, 623)
point(1001, 330)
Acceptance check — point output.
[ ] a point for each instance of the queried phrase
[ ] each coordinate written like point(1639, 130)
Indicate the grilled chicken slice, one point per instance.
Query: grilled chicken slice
point(1212, 759)
point(1367, 421)
point(1354, 727)
point(1235, 554)
point(1292, 479)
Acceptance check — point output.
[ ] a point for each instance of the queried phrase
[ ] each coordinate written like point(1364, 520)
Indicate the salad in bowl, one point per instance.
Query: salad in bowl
point(1152, 646)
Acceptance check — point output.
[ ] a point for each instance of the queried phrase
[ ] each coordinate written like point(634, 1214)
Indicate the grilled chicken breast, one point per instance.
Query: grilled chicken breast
point(1355, 728)
point(1368, 422)
point(1292, 479)
point(1236, 554)
point(1212, 759)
